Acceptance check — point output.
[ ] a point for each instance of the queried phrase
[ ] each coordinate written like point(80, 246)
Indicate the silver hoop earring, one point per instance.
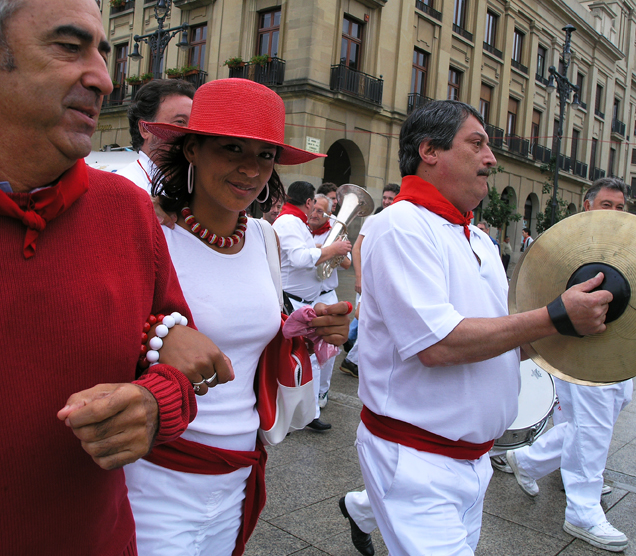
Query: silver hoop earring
point(190, 178)
point(266, 195)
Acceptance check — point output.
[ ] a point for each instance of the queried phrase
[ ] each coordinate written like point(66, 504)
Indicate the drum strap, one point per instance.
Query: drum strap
point(409, 435)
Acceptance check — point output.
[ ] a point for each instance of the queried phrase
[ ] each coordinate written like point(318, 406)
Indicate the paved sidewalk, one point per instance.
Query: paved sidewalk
point(309, 472)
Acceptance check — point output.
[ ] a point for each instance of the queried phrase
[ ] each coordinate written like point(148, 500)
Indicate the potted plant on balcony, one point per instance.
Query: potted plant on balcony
point(235, 62)
point(117, 3)
point(145, 77)
point(261, 59)
point(174, 73)
point(133, 80)
point(190, 70)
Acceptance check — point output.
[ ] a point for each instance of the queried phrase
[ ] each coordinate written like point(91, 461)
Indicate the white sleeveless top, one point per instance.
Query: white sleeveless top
point(235, 304)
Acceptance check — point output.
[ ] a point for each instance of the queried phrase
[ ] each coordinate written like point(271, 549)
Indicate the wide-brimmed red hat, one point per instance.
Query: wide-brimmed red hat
point(237, 108)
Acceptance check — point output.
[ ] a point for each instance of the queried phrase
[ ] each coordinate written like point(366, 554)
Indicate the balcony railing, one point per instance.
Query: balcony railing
point(196, 78)
point(357, 83)
point(565, 163)
point(270, 73)
point(598, 113)
point(541, 79)
point(116, 98)
point(415, 101)
point(122, 7)
point(541, 154)
point(618, 127)
point(519, 66)
point(596, 174)
point(579, 169)
point(518, 145)
point(461, 31)
point(583, 105)
point(496, 136)
point(493, 50)
point(428, 10)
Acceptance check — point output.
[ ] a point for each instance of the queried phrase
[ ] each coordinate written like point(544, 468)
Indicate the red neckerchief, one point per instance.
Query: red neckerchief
point(288, 208)
point(46, 204)
point(417, 191)
point(324, 228)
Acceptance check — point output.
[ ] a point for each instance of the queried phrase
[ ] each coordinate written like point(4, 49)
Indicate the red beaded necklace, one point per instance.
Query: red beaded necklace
point(212, 238)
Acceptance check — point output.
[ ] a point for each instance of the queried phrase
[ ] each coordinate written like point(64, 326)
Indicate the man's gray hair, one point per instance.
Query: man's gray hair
point(438, 122)
point(614, 184)
point(7, 9)
point(329, 201)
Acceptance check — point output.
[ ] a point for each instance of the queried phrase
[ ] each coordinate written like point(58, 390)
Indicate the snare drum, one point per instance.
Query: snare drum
point(537, 399)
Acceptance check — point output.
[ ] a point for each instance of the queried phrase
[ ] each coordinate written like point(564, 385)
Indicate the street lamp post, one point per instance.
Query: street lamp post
point(564, 87)
point(159, 39)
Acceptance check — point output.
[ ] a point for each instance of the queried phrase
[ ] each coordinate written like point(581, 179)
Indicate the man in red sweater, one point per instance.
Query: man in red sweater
point(83, 263)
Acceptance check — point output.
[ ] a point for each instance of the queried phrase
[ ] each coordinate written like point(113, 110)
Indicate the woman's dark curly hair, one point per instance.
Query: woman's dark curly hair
point(170, 183)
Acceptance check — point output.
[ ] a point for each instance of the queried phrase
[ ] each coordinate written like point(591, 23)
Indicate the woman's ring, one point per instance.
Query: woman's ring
point(207, 381)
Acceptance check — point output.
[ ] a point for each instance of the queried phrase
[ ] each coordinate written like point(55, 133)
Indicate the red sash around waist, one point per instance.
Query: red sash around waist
point(409, 435)
point(191, 457)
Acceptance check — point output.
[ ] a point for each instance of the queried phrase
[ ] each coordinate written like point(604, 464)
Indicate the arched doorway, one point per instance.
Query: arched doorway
point(345, 164)
point(509, 196)
point(530, 210)
point(571, 209)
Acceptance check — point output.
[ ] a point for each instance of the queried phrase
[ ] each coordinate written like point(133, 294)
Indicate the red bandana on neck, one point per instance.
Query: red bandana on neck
point(288, 208)
point(44, 205)
point(419, 192)
point(324, 228)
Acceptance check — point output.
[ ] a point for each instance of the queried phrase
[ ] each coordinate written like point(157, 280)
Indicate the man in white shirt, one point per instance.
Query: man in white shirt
point(436, 340)
point(583, 426)
point(527, 239)
point(300, 256)
point(161, 100)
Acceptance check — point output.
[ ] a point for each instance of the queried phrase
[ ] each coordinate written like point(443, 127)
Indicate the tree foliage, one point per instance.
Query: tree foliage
point(499, 212)
point(544, 219)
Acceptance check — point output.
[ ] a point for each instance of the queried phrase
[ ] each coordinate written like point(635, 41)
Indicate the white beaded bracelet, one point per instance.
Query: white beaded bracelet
point(156, 343)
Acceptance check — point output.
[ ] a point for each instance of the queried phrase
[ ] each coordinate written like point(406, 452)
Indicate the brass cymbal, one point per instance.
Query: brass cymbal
point(542, 274)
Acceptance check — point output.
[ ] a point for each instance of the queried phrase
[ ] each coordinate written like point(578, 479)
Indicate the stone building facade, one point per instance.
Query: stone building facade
point(350, 71)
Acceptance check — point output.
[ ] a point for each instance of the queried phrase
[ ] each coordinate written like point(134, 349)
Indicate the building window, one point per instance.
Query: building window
point(351, 47)
point(612, 158)
point(616, 109)
point(633, 156)
point(511, 124)
point(517, 46)
point(459, 16)
point(419, 72)
point(593, 156)
point(491, 29)
point(198, 40)
point(575, 144)
point(121, 64)
point(579, 83)
point(484, 102)
point(541, 61)
point(268, 32)
point(536, 126)
point(598, 103)
point(454, 83)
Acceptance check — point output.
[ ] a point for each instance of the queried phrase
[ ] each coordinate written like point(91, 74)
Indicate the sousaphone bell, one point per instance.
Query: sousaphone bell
point(570, 252)
point(354, 201)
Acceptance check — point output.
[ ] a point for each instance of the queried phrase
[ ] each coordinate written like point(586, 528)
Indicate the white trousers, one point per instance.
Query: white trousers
point(425, 504)
point(359, 509)
point(185, 514)
point(321, 373)
point(578, 444)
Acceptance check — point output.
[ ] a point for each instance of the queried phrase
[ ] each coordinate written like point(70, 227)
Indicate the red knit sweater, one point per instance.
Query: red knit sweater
point(70, 318)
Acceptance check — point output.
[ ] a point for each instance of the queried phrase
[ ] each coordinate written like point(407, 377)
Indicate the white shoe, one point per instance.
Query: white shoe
point(500, 463)
point(323, 399)
point(606, 489)
point(603, 535)
point(526, 482)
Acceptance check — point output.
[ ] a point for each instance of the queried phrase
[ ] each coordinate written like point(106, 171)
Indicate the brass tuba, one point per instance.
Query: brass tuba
point(354, 201)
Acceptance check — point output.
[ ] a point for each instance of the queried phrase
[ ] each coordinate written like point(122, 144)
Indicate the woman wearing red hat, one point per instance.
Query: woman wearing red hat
point(202, 494)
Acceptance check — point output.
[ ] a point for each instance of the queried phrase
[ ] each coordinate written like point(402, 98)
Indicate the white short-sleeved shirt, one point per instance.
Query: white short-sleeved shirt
point(420, 279)
point(140, 172)
point(298, 257)
point(234, 303)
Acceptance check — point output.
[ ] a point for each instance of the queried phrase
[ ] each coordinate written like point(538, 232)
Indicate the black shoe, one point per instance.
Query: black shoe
point(361, 540)
point(348, 345)
point(349, 367)
point(318, 425)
